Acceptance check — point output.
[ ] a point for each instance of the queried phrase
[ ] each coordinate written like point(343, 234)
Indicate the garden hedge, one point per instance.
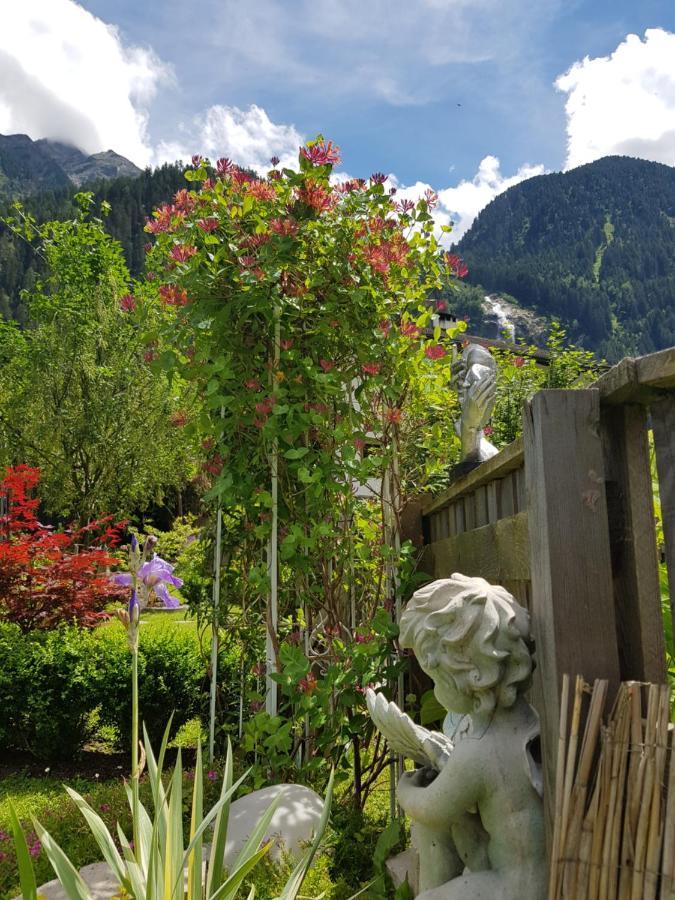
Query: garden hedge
point(54, 685)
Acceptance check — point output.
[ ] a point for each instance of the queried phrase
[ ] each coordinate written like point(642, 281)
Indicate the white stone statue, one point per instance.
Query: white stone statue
point(474, 375)
point(475, 803)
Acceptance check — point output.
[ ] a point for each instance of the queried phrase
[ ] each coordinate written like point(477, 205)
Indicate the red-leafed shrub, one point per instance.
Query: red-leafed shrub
point(48, 577)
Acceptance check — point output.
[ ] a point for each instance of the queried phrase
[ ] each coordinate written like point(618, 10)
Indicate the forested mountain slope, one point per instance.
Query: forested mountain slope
point(594, 246)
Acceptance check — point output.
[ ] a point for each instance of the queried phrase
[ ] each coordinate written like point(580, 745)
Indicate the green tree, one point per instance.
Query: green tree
point(77, 397)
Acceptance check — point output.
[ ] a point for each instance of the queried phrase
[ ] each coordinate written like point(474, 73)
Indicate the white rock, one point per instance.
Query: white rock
point(98, 877)
point(293, 824)
point(405, 865)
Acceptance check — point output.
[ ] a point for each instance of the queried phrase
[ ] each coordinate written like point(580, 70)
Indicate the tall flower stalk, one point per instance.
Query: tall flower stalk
point(148, 574)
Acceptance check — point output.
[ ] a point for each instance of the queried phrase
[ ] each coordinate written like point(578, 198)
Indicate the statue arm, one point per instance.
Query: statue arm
point(439, 800)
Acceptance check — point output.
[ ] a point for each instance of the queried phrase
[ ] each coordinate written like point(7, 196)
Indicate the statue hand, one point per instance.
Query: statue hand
point(438, 748)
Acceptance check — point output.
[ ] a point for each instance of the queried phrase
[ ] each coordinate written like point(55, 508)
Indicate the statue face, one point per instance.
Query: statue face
point(446, 691)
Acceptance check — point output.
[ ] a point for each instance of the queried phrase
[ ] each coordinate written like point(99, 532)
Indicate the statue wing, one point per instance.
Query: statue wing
point(428, 748)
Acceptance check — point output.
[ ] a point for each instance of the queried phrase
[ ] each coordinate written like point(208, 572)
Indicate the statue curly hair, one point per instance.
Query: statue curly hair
point(473, 634)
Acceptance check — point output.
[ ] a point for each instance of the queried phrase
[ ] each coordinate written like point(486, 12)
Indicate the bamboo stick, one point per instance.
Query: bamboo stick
point(632, 796)
point(622, 754)
point(559, 789)
point(647, 768)
point(586, 757)
point(566, 842)
point(655, 836)
point(668, 884)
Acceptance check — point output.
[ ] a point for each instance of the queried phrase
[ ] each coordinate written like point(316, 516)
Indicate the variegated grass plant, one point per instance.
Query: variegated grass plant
point(162, 866)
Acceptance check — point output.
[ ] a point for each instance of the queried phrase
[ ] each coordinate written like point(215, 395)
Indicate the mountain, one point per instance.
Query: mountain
point(594, 247)
point(28, 167)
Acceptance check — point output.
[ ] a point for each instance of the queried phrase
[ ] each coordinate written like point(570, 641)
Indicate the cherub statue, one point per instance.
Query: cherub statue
point(474, 374)
point(475, 803)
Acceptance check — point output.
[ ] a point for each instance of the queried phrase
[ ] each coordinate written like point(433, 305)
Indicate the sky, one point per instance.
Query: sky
point(466, 96)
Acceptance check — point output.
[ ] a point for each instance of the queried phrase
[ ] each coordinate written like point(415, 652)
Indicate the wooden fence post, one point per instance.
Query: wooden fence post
point(572, 599)
point(663, 425)
point(637, 595)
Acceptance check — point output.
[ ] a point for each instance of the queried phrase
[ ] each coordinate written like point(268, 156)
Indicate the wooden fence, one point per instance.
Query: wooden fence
point(564, 519)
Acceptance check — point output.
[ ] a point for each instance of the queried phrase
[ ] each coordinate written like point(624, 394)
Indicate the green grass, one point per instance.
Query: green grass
point(344, 866)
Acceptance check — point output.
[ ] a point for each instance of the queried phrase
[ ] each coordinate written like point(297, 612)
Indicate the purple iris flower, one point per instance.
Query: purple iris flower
point(155, 575)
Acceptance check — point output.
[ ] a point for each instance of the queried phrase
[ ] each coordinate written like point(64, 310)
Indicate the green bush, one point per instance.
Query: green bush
point(171, 675)
point(57, 686)
point(49, 682)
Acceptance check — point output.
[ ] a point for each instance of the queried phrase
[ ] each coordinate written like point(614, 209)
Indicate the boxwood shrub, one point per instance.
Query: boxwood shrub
point(52, 681)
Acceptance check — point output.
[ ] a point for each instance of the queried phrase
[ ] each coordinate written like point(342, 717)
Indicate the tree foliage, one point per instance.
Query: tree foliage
point(77, 397)
point(46, 579)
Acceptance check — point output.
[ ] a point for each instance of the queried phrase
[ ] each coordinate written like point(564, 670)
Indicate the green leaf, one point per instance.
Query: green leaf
point(68, 876)
point(102, 837)
point(294, 883)
point(195, 857)
point(24, 862)
point(296, 452)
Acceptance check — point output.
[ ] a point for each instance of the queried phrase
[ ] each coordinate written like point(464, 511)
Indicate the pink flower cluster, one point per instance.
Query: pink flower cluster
point(323, 153)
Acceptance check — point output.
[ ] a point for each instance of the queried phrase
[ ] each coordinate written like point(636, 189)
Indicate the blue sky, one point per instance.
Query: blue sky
point(467, 96)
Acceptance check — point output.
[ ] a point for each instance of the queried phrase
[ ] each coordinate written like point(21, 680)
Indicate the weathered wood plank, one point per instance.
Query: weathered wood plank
point(481, 506)
point(507, 506)
point(663, 426)
point(492, 502)
point(638, 380)
point(508, 459)
point(499, 552)
point(637, 600)
point(572, 599)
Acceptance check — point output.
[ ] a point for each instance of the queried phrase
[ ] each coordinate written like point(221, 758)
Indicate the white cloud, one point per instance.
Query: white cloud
point(249, 137)
point(67, 75)
point(623, 103)
point(461, 204)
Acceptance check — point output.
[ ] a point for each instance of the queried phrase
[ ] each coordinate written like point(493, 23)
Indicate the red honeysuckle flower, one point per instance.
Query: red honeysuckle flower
point(378, 178)
point(128, 303)
point(410, 330)
point(283, 226)
point(308, 683)
point(182, 252)
point(184, 201)
point(172, 295)
point(393, 416)
point(196, 160)
point(149, 356)
point(275, 161)
point(456, 265)
point(359, 444)
point(286, 345)
point(253, 384)
point(372, 368)
point(209, 224)
point(519, 362)
point(260, 190)
point(214, 466)
point(487, 431)
point(405, 206)
point(431, 198)
point(385, 326)
point(178, 419)
point(435, 351)
point(327, 364)
point(316, 196)
point(225, 166)
point(323, 153)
